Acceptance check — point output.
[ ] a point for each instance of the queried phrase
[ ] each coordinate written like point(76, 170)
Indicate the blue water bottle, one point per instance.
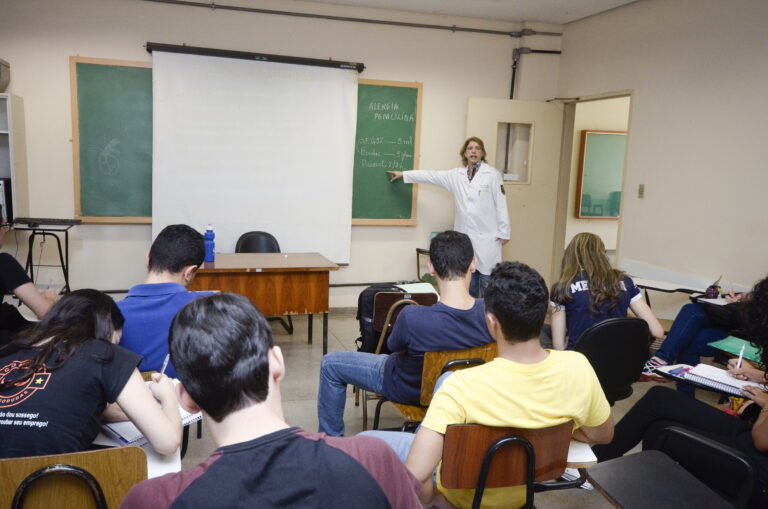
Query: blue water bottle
point(209, 236)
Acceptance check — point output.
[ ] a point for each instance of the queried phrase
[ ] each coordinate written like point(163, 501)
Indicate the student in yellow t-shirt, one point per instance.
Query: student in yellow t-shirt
point(525, 387)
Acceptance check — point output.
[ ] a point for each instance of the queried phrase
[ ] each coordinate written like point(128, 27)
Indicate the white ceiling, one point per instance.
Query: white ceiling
point(548, 11)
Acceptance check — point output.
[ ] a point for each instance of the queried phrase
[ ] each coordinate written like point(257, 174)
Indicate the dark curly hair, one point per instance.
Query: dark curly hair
point(755, 319)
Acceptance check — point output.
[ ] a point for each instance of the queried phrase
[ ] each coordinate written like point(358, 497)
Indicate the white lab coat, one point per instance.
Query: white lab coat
point(481, 208)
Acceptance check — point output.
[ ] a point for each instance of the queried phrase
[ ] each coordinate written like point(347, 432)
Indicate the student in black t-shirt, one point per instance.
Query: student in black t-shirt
point(58, 377)
point(230, 369)
point(14, 279)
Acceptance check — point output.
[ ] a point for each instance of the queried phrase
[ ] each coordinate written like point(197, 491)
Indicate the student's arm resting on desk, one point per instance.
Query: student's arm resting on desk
point(161, 425)
point(641, 310)
point(38, 302)
point(558, 329)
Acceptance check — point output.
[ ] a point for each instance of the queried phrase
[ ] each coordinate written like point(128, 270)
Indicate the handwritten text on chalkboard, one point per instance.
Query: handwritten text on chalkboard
point(385, 140)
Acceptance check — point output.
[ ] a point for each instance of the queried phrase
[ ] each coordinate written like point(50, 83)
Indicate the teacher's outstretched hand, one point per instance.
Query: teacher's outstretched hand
point(394, 175)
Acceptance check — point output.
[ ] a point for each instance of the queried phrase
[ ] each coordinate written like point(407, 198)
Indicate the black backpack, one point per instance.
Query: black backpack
point(368, 341)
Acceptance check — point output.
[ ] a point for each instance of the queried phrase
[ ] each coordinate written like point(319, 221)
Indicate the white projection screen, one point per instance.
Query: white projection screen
point(248, 145)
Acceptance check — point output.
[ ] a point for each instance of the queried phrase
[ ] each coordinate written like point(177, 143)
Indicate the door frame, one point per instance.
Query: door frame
point(563, 180)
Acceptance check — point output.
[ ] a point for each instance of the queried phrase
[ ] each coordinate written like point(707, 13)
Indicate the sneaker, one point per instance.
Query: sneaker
point(572, 474)
point(648, 371)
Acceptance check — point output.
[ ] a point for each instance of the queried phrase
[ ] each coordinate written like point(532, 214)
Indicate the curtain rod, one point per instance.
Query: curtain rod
point(451, 28)
point(247, 55)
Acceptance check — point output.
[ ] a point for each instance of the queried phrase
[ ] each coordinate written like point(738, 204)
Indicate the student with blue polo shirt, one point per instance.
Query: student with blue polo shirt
point(149, 308)
point(590, 290)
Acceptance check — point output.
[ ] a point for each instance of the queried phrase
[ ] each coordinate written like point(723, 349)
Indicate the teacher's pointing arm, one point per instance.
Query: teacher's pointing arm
point(394, 175)
point(437, 178)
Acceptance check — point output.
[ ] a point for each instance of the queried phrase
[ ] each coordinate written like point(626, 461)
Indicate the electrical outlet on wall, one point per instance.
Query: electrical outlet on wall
point(641, 191)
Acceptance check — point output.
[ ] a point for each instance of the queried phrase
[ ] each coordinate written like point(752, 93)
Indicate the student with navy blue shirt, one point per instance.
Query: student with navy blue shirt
point(590, 290)
point(455, 323)
point(149, 308)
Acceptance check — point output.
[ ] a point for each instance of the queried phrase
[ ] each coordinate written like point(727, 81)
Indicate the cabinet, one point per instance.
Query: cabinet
point(13, 157)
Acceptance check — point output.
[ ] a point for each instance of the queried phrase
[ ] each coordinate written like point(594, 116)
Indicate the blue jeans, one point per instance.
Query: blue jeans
point(477, 284)
point(399, 441)
point(364, 370)
point(688, 337)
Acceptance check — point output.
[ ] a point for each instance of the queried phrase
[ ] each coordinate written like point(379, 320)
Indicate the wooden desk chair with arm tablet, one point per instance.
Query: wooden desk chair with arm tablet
point(479, 457)
point(386, 308)
point(436, 364)
point(72, 480)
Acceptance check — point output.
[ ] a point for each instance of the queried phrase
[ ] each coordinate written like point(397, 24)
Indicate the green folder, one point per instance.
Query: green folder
point(732, 345)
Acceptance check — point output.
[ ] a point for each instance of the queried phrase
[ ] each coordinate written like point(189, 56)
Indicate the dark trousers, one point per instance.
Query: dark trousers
point(662, 407)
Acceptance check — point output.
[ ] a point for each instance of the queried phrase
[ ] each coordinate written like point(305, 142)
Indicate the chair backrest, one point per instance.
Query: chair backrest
point(115, 471)
point(436, 362)
point(697, 453)
point(617, 348)
point(387, 306)
point(257, 242)
point(465, 447)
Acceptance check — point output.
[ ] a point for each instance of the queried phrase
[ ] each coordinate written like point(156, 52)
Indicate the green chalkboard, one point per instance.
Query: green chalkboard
point(601, 174)
point(387, 138)
point(112, 136)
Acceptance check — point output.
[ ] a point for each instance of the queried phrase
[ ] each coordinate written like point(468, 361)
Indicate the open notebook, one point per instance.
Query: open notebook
point(708, 376)
point(127, 433)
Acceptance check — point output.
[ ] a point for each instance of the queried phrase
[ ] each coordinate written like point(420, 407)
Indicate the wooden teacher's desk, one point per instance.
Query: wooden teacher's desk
point(278, 283)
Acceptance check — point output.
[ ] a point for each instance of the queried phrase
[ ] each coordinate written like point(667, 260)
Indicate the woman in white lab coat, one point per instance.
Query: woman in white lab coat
point(481, 205)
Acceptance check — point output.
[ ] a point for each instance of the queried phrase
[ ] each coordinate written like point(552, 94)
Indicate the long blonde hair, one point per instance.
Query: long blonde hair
point(586, 253)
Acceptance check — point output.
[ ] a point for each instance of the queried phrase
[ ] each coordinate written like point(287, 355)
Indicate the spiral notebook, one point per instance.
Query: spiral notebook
point(127, 433)
point(717, 379)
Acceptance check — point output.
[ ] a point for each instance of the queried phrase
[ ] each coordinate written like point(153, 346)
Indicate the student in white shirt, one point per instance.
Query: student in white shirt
point(481, 205)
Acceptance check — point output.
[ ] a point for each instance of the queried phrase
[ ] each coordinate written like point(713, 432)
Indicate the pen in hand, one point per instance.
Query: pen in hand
point(738, 363)
point(168, 357)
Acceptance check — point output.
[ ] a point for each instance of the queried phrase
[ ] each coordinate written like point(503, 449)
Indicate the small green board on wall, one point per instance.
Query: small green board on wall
point(112, 140)
point(387, 138)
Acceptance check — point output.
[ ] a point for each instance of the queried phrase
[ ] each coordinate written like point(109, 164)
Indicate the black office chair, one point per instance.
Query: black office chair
point(617, 348)
point(677, 471)
point(263, 242)
point(257, 242)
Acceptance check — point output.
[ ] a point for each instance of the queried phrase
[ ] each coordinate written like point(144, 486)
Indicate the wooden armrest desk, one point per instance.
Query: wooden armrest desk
point(278, 283)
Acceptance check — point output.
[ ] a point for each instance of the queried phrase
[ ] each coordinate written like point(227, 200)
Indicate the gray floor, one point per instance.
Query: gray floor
point(299, 392)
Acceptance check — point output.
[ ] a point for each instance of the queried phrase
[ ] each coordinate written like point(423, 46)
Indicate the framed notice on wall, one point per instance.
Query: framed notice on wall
point(387, 138)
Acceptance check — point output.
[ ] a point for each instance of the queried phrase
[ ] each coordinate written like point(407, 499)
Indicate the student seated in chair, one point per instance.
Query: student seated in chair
point(230, 369)
point(14, 279)
point(455, 323)
point(590, 291)
point(661, 407)
point(524, 387)
point(58, 377)
point(173, 260)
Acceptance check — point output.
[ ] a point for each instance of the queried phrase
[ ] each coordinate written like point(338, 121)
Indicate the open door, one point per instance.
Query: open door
point(532, 175)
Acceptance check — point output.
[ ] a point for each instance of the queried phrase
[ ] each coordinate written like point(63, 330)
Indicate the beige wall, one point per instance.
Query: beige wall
point(699, 71)
point(38, 36)
point(605, 115)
